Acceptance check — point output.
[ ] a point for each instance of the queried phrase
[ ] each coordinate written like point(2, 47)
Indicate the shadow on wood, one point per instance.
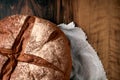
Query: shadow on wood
point(100, 19)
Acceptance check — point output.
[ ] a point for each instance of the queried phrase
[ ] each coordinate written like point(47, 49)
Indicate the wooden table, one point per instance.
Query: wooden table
point(100, 19)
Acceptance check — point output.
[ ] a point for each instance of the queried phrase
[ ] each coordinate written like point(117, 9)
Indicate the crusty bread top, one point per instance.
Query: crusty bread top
point(26, 36)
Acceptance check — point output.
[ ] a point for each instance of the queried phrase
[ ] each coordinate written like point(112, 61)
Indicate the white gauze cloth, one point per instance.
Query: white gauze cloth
point(86, 65)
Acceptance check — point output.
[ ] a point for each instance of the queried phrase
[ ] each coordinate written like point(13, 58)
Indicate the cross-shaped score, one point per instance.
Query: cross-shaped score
point(16, 53)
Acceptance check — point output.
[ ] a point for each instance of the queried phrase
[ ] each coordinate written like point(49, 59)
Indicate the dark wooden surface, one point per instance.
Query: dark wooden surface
point(100, 19)
point(39, 8)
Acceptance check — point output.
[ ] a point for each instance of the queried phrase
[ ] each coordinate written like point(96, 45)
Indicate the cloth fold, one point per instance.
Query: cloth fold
point(86, 64)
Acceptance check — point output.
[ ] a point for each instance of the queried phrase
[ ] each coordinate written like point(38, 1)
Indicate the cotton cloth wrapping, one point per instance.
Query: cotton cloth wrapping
point(86, 65)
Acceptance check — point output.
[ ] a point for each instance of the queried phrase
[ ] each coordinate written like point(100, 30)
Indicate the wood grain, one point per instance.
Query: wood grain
point(41, 8)
point(100, 19)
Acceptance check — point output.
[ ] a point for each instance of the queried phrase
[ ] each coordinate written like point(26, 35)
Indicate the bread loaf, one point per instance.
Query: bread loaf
point(32, 48)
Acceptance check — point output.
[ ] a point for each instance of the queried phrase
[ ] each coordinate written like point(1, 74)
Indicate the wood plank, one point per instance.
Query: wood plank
point(100, 19)
point(41, 8)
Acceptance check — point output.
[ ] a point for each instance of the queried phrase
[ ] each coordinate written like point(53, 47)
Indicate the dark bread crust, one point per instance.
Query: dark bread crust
point(35, 49)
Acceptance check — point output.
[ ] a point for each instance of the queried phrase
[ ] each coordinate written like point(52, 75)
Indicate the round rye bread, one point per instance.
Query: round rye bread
point(32, 48)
